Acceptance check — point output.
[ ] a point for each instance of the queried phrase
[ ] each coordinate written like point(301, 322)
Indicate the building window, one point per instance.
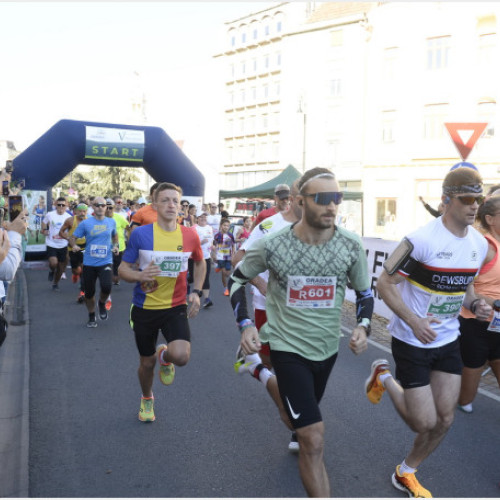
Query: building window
point(389, 63)
point(486, 113)
point(336, 38)
point(278, 59)
point(243, 68)
point(278, 27)
point(251, 124)
point(386, 212)
point(255, 33)
point(266, 62)
point(487, 50)
point(335, 87)
point(435, 116)
point(388, 126)
point(438, 52)
point(254, 64)
point(265, 92)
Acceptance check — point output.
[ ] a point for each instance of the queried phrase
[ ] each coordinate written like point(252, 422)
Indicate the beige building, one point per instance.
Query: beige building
point(365, 89)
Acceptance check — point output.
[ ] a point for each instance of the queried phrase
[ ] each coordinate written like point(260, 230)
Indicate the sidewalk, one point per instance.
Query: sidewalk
point(14, 393)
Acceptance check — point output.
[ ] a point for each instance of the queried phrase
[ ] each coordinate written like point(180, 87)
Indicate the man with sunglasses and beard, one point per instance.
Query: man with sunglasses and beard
point(425, 282)
point(101, 242)
point(309, 266)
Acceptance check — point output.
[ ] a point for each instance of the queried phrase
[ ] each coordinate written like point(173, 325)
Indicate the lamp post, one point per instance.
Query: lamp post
point(302, 109)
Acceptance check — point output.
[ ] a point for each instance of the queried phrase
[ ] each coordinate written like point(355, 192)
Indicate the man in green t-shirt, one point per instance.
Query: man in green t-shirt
point(309, 266)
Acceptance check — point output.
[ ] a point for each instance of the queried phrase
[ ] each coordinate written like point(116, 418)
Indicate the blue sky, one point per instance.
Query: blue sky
point(75, 59)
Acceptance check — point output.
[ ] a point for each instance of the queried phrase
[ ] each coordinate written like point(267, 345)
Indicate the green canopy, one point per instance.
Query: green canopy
point(266, 189)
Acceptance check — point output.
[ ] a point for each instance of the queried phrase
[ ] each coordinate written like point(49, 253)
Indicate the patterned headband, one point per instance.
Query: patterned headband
point(465, 188)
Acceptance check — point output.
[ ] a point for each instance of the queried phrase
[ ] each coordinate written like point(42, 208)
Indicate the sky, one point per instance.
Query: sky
point(85, 61)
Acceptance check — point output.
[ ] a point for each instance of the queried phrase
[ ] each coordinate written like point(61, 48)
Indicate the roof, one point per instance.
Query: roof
point(336, 10)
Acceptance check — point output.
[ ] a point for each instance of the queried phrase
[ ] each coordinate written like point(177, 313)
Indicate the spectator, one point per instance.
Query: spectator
point(281, 200)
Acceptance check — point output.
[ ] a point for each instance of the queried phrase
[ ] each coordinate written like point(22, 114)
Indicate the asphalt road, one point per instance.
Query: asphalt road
point(216, 434)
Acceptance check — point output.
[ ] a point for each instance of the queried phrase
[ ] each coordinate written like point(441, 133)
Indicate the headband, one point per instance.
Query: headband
point(325, 174)
point(465, 188)
point(81, 206)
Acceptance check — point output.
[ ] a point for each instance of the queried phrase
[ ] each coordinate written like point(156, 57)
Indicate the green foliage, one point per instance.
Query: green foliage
point(100, 181)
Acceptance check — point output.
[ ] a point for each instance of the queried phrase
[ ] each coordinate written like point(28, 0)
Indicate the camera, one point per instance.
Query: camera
point(5, 188)
point(16, 206)
point(9, 166)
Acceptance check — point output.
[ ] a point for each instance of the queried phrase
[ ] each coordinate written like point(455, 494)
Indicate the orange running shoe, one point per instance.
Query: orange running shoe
point(410, 485)
point(373, 387)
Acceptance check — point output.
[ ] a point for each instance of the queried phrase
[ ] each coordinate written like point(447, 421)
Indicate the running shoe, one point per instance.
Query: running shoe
point(167, 370)
point(108, 304)
point(51, 275)
point(246, 363)
point(373, 387)
point(410, 485)
point(207, 303)
point(226, 292)
point(63, 276)
point(293, 445)
point(92, 323)
point(466, 408)
point(55, 287)
point(103, 313)
point(146, 412)
point(81, 298)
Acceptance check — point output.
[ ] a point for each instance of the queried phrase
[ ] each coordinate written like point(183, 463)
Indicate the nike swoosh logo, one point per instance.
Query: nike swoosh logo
point(295, 416)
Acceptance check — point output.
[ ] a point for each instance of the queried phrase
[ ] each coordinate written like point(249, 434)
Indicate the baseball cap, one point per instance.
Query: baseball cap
point(141, 200)
point(282, 191)
point(110, 202)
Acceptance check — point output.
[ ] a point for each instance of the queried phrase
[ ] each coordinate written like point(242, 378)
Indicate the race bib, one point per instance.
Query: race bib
point(494, 325)
point(98, 251)
point(311, 292)
point(171, 264)
point(444, 306)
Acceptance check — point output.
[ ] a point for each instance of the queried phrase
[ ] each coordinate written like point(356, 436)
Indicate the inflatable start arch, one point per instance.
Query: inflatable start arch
point(70, 143)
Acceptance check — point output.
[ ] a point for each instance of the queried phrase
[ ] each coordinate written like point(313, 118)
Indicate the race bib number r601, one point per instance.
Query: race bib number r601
point(311, 291)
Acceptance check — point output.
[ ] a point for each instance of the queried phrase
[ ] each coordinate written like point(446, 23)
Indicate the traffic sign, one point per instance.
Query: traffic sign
point(465, 136)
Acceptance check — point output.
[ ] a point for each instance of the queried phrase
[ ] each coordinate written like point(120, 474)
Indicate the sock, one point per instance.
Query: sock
point(253, 361)
point(162, 361)
point(144, 397)
point(101, 304)
point(384, 376)
point(264, 375)
point(406, 469)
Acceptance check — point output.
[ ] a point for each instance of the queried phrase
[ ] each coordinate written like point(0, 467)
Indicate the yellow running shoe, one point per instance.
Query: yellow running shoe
point(373, 387)
point(146, 412)
point(409, 484)
point(167, 370)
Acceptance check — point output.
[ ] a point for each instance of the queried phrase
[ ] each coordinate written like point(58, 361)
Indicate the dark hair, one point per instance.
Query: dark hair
point(489, 207)
point(493, 189)
point(224, 220)
point(153, 188)
point(224, 214)
point(61, 198)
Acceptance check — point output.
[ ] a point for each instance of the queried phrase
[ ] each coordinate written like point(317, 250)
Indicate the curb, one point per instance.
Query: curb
point(14, 393)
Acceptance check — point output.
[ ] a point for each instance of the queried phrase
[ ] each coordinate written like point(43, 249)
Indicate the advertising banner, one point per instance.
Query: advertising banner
point(104, 143)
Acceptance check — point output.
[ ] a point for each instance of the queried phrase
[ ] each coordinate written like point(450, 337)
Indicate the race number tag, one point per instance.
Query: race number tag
point(170, 263)
point(444, 306)
point(494, 325)
point(311, 292)
point(98, 251)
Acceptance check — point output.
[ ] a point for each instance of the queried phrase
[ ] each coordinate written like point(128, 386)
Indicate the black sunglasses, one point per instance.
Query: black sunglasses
point(61, 204)
point(470, 200)
point(326, 198)
point(99, 205)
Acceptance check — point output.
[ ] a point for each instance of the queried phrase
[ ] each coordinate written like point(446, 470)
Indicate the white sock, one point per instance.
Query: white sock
point(253, 360)
point(406, 469)
point(264, 375)
point(383, 376)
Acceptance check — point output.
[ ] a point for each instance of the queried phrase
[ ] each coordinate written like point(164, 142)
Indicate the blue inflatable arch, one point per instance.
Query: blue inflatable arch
point(70, 143)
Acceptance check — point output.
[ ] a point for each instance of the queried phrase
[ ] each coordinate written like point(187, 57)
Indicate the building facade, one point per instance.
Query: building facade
point(363, 88)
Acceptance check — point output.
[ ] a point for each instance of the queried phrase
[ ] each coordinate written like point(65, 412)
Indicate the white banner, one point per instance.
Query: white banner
point(377, 251)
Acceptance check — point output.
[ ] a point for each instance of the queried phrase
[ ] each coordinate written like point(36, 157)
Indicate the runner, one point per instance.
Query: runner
point(309, 266)
point(425, 282)
point(39, 211)
point(57, 251)
point(162, 250)
point(76, 256)
point(101, 241)
point(222, 252)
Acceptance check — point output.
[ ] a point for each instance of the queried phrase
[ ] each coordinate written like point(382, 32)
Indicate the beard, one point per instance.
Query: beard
point(315, 221)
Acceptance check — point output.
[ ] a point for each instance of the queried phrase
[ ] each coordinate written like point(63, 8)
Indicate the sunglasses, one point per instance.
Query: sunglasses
point(61, 204)
point(118, 202)
point(470, 200)
point(99, 205)
point(109, 207)
point(184, 205)
point(327, 197)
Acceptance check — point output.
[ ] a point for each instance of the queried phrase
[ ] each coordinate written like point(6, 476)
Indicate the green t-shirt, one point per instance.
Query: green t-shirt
point(121, 224)
point(306, 288)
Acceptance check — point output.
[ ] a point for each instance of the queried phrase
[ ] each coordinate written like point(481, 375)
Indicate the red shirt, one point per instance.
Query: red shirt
point(264, 214)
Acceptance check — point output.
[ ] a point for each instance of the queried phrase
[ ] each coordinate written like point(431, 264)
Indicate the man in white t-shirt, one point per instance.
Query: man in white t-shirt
point(425, 282)
point(57, 251)
point(206, 234)
point(213, 218)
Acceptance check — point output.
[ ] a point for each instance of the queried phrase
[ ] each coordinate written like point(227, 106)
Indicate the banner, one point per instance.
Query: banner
point(377, 251)
point(114, 144)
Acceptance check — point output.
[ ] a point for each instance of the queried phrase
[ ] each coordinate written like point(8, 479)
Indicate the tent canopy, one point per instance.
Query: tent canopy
point(266, 189)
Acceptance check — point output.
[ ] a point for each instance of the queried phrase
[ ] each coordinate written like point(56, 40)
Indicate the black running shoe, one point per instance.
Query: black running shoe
point(103, 313)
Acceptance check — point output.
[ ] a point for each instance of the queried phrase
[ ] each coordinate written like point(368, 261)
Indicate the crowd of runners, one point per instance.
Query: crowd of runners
point(439, 282)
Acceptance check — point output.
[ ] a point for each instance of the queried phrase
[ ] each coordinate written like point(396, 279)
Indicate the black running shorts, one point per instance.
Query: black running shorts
point(146, 323)
point(302, 383)
point(60, 253)
point(477, 344)
point(415, 364)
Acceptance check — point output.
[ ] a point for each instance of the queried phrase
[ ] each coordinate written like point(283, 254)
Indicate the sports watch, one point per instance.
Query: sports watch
point(197, 292)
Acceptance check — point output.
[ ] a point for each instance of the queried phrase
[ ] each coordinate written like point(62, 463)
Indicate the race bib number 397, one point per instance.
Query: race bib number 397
point(311, 291)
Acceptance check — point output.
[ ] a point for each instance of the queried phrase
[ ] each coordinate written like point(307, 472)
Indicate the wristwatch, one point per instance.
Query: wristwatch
point(366, 324)
point(197, 292)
